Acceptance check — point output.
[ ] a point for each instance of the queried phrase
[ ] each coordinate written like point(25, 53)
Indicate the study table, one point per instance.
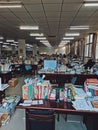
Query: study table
point(90, 118)
point(62, 78)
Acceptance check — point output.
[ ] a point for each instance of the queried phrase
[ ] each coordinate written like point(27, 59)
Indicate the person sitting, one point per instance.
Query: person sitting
point(63, 67)
point(89, 64)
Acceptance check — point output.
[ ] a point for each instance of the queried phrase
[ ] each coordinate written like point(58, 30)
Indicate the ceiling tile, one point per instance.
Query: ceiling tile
point(52, 7)
point(52, 1)
point(34, 7)
point(71, 7)
point(53, 14)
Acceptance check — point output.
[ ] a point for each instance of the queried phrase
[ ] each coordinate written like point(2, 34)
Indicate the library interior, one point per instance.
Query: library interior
point(49, 64)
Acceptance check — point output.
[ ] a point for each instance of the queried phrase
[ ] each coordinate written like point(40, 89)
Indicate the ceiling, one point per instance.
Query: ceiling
point(54, 17)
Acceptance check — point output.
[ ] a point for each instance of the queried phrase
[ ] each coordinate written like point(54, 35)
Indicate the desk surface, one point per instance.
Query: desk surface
point(62, 107)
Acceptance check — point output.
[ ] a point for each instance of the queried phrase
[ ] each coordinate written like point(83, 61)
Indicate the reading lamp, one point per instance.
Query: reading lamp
point(10, 4)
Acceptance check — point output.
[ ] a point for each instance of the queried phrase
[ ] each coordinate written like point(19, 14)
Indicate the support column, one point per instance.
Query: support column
point(35, 49)
point(21, 48)
point(13, 50)
point(0, 49)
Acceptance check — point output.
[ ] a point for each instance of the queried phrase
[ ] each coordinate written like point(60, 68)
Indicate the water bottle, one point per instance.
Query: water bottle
point(69, 94)
point(57, 95)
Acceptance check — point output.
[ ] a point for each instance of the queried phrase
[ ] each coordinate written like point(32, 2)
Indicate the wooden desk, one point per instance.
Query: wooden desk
point(90, 117)
point(62, 78)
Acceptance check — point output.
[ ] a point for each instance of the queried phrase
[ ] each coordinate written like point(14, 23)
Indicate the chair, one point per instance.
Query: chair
point(40, 120)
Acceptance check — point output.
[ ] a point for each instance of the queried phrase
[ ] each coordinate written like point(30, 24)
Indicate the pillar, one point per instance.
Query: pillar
point(0, 49)
point(21, 48)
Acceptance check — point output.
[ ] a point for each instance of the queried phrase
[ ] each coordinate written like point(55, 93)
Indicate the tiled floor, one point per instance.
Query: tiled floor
point(17, 121)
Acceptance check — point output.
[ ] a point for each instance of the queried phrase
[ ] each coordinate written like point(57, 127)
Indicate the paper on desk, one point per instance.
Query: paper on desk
point(82, 105)
point(80, 94)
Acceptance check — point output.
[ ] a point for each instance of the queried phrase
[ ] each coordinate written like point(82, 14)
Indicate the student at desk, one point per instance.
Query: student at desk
point(63, 67)
point(89, 64)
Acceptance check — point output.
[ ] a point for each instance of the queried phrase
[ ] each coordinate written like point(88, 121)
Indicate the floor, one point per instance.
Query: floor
point(17, 121)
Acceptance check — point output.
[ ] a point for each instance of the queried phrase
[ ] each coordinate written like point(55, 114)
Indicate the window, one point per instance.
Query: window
point(88, 46)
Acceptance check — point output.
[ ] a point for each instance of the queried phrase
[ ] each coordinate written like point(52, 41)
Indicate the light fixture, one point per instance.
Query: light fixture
point(6, 43)
point(90, 4)
point(79, 27)
point(10, 4)
point(68, 38)
point(36, 34)
point(10, 40)
point(29, 27)
point(72, 34)
point(63, 42)
point(43, 40)
point(15, 42)
point(40, 38)
point(1, 38)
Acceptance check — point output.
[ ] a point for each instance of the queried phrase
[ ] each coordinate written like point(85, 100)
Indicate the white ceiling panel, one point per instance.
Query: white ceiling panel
point(52, 1)
point(53, 17)
point(53, 14)
point(71, 7)
point(73, 1)
point(52, 7)
point(37, 14)
point(31, 1)
point(34, 7)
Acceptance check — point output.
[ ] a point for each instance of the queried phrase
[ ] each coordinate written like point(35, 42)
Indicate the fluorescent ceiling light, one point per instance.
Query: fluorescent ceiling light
point(72, 34)
point(10, 4)
point(6, 43)
point(5, 46)
point(1, 37)
point(36, 34)
point(43, 40)
point(90, 4)
point(79, 27)
point(90, 0)
point(70, 38)
point(10, 40)
point(40, 38)
point(29, 27)
point(15, 42)
point(1, 41)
